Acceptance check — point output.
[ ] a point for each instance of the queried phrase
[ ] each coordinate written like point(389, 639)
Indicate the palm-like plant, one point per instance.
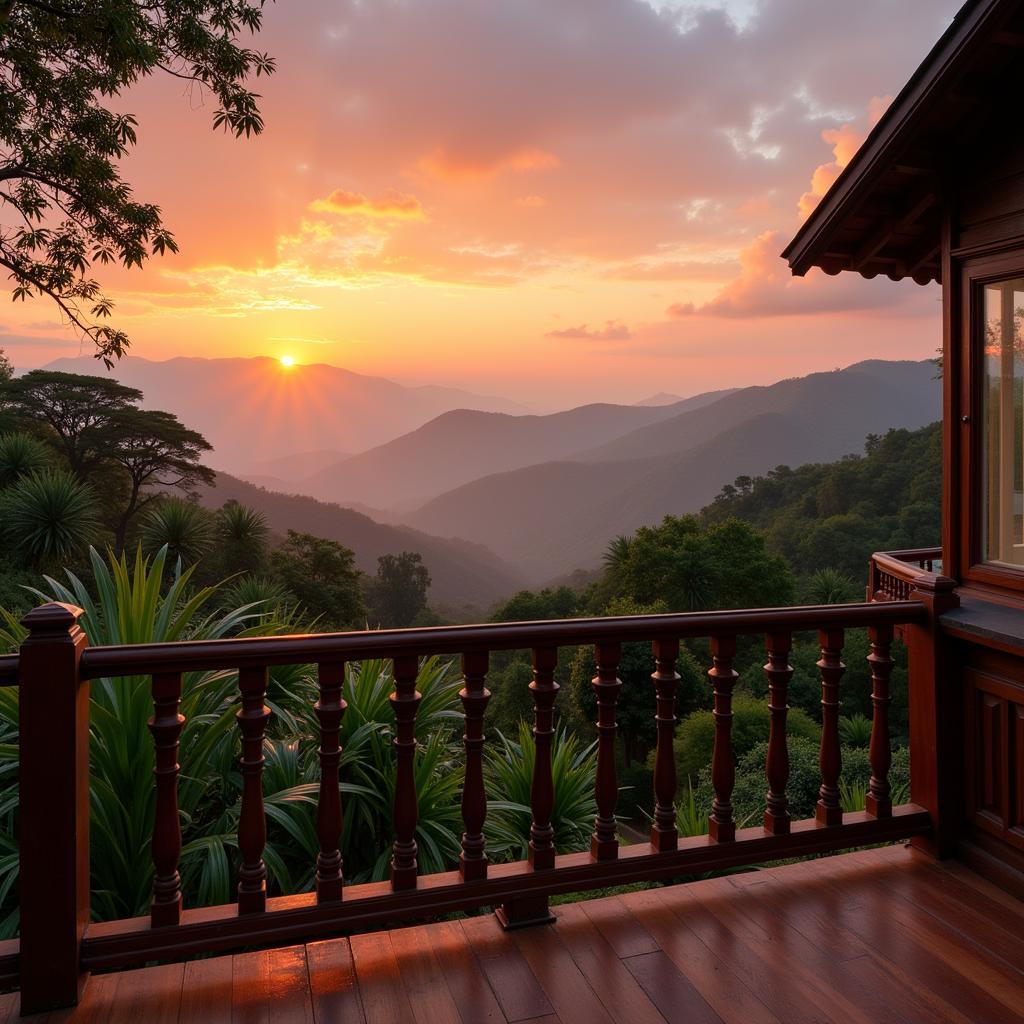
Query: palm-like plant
point(20, 456)
point(855, 730)
point(509, 775)
point(241, 537)
point(182, 526)
point(829, 586)
point(49, 516)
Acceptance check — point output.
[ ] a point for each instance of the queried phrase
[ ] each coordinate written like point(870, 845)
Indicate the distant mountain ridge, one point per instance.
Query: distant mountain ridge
point(256, 409)
point(463, 445)
point(462, 573)
point(558, 516)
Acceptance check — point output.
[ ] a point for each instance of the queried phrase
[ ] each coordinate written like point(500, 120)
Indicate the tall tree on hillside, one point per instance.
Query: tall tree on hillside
point(77, 409)
point(399, 591)
point(157, 452)
point(62, 146)
point(322, 574)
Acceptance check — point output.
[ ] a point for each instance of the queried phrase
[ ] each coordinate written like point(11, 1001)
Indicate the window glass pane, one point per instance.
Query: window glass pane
point(1003, 466)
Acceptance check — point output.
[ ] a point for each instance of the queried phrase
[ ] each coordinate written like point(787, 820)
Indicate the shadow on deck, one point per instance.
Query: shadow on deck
point(877, 935)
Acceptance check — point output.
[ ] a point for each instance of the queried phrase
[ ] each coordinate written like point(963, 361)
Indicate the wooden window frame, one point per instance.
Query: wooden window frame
point(975, 274)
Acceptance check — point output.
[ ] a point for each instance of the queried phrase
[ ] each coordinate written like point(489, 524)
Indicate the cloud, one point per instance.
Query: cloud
point(765, 288)
point(390, 205)
point(845, 141)
point(613, 330)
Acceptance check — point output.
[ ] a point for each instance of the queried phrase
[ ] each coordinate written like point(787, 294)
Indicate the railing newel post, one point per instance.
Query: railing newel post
point(53, 825)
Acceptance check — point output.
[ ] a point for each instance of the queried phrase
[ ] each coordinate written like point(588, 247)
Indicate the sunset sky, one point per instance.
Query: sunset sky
point(554, 200)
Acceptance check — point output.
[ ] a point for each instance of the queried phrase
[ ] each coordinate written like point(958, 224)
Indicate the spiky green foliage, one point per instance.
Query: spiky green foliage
point(49, 515)
point(855, 730)
point(182, 526)
point(509, 776)
point(20, 456)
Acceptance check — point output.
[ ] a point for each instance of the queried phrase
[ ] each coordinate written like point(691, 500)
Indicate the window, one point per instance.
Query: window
point(1003, 431)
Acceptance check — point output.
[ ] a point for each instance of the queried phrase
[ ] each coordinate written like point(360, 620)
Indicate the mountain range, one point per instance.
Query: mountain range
point(256, 409)
point(559, 515)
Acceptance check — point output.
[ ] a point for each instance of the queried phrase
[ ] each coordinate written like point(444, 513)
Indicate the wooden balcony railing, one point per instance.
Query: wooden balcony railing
point(891, 574)
point(59, 944)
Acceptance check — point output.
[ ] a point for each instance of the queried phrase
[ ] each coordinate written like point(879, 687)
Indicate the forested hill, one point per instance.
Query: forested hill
point(835, 514)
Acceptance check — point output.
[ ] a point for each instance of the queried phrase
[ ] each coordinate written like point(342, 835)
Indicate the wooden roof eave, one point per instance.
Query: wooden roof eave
point(813, 245)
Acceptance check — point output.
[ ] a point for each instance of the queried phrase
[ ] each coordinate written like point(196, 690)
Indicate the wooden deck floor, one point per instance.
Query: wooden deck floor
point(879, 935)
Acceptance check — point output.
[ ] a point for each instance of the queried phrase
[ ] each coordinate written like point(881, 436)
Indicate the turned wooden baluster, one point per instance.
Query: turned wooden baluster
point(721, 826)
point(541, 853)
point(664, 835)
point(606, 684)
point(778, 672)
point(404, 701)
point(474, 696)
point(829, 810)
point(330, 710)
point(879, 798)
point(252, 823)
point(165, 726)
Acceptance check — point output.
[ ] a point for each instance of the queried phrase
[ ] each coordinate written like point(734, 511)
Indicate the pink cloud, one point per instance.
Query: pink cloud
point(765, 288)
point(613, 330)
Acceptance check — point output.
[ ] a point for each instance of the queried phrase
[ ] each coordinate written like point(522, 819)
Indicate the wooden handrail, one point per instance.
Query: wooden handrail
point(55, 666)
point(210, 655)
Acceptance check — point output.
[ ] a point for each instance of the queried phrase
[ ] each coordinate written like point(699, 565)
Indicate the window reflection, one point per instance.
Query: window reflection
point(1003, 523)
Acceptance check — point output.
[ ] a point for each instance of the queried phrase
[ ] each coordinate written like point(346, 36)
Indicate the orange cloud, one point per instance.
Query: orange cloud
point(845, 141)
point(390, 205)
point(455, 168)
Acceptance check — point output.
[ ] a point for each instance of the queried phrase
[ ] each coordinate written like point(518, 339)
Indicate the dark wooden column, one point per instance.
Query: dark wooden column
point(330, 710)
point(721, 825)
point(879, 798)
point(936, 718)
point(474, 696)
point(829, 810)
point(664, 835)
point(53, 825)
point(405, 701)
point(166, 725)
point(252, 822)
point(778, 672)
point(606, 684)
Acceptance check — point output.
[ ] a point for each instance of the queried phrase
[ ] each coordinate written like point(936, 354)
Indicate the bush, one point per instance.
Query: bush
point(748, 797)
point(695, 736)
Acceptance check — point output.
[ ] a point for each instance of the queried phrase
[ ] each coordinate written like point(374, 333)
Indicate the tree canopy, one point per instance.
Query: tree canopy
point(60, 179)
point(399, 591)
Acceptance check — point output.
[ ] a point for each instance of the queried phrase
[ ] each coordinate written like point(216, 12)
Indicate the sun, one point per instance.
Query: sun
point(287, 362)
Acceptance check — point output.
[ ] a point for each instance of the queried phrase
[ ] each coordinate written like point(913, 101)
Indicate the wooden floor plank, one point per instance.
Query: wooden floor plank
point(380, 983)
point(271, 987)
point(516, 988)
point(561, 979)
point(713, 975)
point(620, 994)
point(816, 912)
point(206, 991)
point(422, 977)
point(670, 990)
point(866, 910)
point(464, 976)
point(334, 992)
point(618, 926)
point(100, 1003)
point(152, 994)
